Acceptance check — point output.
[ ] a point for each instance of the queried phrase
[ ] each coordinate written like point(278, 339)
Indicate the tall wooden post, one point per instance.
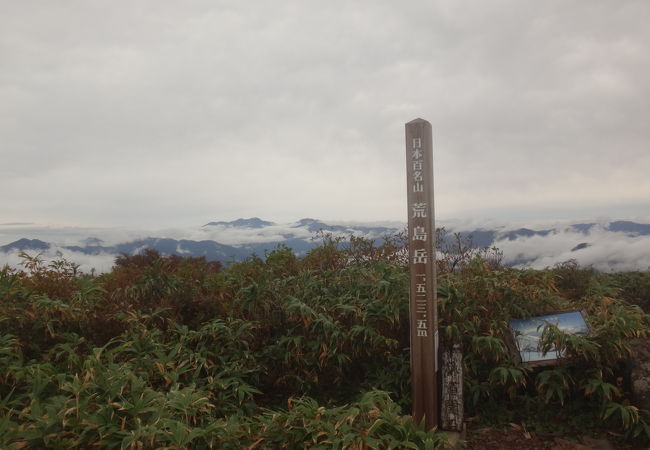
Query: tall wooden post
point(423, 307)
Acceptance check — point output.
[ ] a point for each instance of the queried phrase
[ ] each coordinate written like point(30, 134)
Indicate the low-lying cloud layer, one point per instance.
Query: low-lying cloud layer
point(538, 247)
point(100, 263)
point(604, 250)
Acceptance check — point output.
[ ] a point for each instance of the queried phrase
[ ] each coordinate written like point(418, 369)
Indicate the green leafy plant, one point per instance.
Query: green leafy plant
point(170, 352)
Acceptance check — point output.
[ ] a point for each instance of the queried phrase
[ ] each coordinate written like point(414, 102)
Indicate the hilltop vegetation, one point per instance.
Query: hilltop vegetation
point(282, 351)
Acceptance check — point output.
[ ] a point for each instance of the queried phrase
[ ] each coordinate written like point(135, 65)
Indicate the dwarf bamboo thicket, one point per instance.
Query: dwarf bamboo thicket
point(296, 352)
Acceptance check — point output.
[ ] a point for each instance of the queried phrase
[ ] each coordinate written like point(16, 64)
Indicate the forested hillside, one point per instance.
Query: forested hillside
point(283, 351)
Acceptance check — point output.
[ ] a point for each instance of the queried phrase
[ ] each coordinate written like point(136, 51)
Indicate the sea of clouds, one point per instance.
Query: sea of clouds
point(604, 250)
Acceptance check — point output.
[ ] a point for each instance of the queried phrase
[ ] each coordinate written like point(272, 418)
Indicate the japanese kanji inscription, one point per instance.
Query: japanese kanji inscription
point(423, 308)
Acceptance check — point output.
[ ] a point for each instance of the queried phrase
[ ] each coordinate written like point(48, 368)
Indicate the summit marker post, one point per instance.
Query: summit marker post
point(422, 264)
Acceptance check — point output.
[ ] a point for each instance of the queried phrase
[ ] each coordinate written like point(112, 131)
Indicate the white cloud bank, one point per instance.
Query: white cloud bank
point(99, 263)
point(606, 251)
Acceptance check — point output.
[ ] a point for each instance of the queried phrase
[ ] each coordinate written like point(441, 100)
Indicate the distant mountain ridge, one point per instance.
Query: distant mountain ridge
point(486, 238)
point(25, 244)
point(259, 236)
point(253, 222)
point(212, 250)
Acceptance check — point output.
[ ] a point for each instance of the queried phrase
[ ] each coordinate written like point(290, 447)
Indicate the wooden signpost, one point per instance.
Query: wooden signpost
point(423, 305)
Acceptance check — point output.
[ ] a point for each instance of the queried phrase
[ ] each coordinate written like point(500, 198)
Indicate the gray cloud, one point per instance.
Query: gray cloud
point(157, 113)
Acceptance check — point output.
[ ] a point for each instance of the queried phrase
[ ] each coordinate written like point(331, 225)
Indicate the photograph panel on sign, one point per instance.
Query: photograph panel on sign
point(528, 332)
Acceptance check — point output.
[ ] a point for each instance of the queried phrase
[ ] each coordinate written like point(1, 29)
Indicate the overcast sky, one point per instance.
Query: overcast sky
point(165, 113)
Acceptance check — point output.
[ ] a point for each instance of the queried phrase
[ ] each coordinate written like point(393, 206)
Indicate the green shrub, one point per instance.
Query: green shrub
point(168, 352)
